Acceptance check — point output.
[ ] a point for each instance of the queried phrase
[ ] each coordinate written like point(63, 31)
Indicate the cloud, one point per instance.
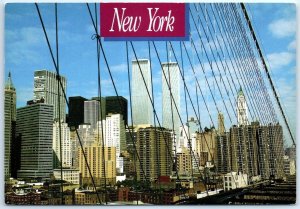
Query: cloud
point(283, 28)
point(278, 60)
point(287, 95)
point(121, 68)
point(27, 43)
point(292, 45)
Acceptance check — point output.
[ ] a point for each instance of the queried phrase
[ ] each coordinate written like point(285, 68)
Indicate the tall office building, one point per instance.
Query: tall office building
point(92, 111)
point(35, 129)
point(87, 137)
point(76, 111)
point(46, 88)
point(205, 145)
point(223, 153)
point(94, 156)
point(270, 143)
point(172, 73)
point(244, 149)
point(117, 105)
point(9, 121)
point(242, 114)
point(154, 146)
point(185, 142)
point(142, 111)
point(66, 157)
point(190, 129)
point(114, 136)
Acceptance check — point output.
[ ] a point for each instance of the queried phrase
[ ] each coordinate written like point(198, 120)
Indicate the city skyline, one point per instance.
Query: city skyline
point(222, 138)
point(280, 54)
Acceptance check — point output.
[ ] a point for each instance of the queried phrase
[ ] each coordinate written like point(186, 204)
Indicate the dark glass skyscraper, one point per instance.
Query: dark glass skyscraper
point(117, 105)
point(76, 111)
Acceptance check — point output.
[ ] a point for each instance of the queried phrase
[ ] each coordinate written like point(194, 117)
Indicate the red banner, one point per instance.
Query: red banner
point(144, 20)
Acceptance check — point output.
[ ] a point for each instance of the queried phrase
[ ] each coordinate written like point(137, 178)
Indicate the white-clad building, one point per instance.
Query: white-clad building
point(66, 145)
point(242, 109)
point(234, 180)
point(114, 136)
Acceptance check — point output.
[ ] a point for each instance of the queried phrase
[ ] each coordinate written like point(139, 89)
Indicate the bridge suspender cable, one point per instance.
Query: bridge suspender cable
point(65, 96)
point(58, 103)
point(266, 70)
point(100, 101)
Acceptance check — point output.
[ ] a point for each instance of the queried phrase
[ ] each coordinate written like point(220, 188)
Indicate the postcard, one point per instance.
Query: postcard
point(147, 103)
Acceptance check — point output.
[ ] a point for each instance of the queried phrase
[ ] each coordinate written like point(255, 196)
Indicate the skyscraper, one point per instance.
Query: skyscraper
point(45, 87)
point(113, 106)
point(87, 137)
point(242, 114)
point(65, 146)
point(154, 147)
point(142, 111)
point(223, 153)
point(76, 111)
point(171, 71)
point(92, 111)
point(244, 149)
point(205, 145)
point(34, 129)
point(115, 137)
point(270, 143)
point(9, 121)
point(257, 150)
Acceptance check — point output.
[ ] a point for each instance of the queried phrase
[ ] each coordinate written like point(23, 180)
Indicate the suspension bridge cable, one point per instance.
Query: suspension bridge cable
point(130, 104)
point(113, 83)
point(240, 65)
point(192, 66)
point(63, 90)
point(188, 93)
point(210, 64)
point(253, 63)
point(239, 134)
point(100, 101)
point(252, 58)
point(222, 35)
point(216, 62)
point(276, 134)
point(208, 57)
point(197, 84)
point(176, 107)
point(185, 101)
point(223, 53)
point(151, 101)
point(58, 102)
point(154, 122)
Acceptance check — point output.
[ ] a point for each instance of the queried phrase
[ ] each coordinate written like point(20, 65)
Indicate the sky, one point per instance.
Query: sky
point(26, 51)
